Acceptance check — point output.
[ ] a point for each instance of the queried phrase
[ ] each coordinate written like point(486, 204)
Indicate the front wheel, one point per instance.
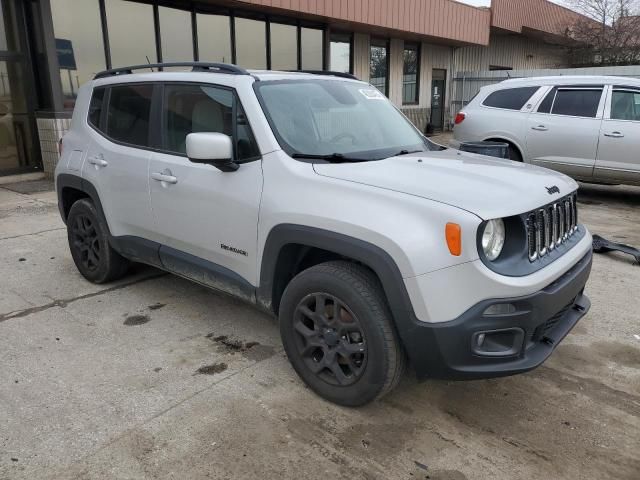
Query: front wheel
point(338, 333)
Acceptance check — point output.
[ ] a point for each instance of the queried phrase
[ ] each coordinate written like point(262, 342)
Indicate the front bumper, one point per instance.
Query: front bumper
point(535, 326)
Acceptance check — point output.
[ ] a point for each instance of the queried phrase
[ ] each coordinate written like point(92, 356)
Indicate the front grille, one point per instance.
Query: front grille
point(551, 226)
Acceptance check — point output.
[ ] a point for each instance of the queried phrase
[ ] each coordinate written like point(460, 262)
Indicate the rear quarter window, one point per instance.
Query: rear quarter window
point(95, 107)
point(510, 98)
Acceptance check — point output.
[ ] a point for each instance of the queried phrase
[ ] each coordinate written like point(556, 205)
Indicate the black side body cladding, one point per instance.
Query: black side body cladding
point(441, 350)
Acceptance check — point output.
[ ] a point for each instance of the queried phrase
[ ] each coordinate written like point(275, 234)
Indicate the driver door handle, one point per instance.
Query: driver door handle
point(540, 128)
point(163, 177)
point(614, 135)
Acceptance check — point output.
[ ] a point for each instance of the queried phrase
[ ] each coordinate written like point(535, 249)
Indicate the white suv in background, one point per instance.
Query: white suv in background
point(587, 127)
point(313, 198)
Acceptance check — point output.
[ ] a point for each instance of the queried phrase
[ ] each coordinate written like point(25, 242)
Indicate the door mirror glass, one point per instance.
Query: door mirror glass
point(211, 148)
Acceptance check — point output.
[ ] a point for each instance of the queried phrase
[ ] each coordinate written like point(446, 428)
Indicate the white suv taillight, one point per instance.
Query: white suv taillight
point(460, 118)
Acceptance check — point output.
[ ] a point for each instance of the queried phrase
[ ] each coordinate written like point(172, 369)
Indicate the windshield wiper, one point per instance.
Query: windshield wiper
point(406, 152)
point(331, 157)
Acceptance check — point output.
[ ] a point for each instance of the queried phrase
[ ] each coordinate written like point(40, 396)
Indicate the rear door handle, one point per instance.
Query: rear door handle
point(540, 128)
point(614, 135)
point(163, 177)
point(98, 160)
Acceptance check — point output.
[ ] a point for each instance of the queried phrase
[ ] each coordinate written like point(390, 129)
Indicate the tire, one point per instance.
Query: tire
point(514, 154)
point(350, 353)
point(89, 245)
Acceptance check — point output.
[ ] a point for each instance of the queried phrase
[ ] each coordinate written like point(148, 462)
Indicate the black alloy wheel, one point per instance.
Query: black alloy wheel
point(85, 240)
point(330, 339)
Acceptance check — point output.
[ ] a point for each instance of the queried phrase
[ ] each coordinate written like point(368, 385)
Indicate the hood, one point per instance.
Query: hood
point(487, 187)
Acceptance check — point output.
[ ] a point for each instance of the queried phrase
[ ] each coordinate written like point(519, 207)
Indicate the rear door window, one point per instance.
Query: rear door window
point(510, 98)
point(577, 102)
point(128, 114)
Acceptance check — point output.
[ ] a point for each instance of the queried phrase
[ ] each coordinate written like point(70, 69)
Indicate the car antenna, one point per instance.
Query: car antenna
point(149, 62)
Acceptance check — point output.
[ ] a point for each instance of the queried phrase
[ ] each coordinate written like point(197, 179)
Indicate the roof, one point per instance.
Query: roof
point(533, 16)
point(571, 80)
point(431, 19)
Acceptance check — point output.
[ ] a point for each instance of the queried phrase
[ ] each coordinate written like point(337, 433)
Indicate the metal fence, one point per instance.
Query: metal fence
point(467, 84)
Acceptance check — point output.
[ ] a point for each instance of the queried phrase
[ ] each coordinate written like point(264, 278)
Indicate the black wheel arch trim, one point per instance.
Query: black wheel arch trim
point(371, 256)
point(65, 180)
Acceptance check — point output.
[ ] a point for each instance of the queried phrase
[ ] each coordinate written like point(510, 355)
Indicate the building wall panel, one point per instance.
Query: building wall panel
point(446, 19)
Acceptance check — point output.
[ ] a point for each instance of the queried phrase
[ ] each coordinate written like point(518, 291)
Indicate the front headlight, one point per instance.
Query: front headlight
point(493, 238)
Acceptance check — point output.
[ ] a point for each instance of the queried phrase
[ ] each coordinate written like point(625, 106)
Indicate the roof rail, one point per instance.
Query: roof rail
point(329, 73)
point(196, 67)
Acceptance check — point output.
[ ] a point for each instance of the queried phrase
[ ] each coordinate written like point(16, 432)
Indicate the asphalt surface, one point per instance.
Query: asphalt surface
point(156, 377)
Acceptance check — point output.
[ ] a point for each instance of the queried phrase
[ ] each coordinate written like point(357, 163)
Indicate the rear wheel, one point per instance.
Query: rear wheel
point(89, 245)
point(514, 154)
point(338, 333)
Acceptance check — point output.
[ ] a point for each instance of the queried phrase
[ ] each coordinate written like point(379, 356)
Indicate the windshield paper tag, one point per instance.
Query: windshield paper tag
point(372, 94)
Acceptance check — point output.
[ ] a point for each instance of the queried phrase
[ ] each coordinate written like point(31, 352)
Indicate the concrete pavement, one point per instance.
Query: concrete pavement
point(156, 377)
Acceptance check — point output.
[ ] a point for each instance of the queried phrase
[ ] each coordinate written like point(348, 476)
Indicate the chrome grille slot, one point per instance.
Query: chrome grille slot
point(550, 226)
point(531, 237)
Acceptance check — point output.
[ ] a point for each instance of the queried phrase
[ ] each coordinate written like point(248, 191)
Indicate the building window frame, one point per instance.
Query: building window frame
point(339, 33)
point(193, 8)
point(378, 42)
point(417, 46)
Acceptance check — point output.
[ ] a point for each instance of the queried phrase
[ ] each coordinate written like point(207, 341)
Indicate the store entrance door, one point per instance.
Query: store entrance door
point(438, 85)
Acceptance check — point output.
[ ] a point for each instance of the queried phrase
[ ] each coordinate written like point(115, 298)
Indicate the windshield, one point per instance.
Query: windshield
point(337, 120)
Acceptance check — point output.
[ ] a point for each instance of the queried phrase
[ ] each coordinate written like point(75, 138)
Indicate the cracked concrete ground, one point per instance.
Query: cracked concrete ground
point(156, 377)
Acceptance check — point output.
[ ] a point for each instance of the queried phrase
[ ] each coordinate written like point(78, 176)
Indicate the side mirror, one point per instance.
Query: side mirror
point(213, 149)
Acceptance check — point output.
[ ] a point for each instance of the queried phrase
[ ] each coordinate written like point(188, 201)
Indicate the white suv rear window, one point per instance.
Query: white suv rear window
point(510, 98)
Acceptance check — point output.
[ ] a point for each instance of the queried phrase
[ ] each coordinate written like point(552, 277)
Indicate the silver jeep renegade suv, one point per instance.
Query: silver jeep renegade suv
point(312, 197)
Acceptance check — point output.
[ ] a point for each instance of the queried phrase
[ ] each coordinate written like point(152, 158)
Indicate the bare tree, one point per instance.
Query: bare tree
point(608, 35)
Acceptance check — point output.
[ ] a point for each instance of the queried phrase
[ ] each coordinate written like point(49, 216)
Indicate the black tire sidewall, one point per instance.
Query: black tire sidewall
point(373, 379)
point(100, 274)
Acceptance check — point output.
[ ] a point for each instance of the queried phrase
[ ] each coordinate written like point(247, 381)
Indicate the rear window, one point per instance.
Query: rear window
point(128, 114)
point(510, 98)
point(95, 107)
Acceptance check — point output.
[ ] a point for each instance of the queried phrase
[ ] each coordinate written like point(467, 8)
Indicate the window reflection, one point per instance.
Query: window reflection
point(410, 71)
point(251, 49)
point(284, 51)
point(311, 44)
point(340, 53)
point(8, 38)
point(175, 34)
point(214, 38)
point(131, 33)
point(78, 34)
point(378, 65)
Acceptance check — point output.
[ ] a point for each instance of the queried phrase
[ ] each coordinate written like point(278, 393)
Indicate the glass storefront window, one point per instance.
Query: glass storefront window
point(214, 38)
point(251, 48)
point(16, 142)
point(8, 38)
point(78, 33)
point(340, 52)
point(175, 35)
point(284, 51)
point(411, 56)
point(379, 65)
point(311, 44)
point(131, 33)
